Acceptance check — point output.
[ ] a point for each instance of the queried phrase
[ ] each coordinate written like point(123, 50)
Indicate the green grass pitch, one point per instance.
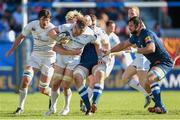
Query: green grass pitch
point(112, 105)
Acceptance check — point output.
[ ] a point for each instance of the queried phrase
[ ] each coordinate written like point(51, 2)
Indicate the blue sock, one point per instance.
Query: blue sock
point(97, 92)
point(84, 96)
point(155, 88)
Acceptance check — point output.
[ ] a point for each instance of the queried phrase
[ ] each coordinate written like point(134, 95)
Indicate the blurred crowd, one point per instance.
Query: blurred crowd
point(11, 18)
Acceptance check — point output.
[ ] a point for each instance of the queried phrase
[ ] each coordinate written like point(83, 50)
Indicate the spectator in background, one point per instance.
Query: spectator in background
point(6, 35)
point(102, 19)
point(121, 26)
point(18, 19)
point(157, 29)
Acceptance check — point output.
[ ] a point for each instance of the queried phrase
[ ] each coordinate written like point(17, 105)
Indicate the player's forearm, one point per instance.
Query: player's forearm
point(52, 34)
point(17, 42)
point(60, 50)
point(119, 47)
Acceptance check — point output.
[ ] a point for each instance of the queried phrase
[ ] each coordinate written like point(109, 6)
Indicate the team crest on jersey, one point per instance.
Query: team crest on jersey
point(147, 39)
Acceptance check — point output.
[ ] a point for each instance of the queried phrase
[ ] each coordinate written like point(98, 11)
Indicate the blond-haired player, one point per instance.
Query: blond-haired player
point(79, 35)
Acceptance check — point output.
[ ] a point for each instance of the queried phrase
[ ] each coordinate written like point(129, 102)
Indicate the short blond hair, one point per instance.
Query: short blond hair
point(73, 14)
point(136, 9)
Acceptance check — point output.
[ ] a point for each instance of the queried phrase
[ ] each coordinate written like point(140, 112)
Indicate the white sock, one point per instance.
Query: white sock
point(67, 98)
point(22, 97)
point(54, 96)
point(136, 85)
point(90, 93)
point(49, 91)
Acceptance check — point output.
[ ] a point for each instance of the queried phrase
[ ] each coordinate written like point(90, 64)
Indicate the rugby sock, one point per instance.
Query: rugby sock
point(67, 98)
point(98, 88)
point(136, 85)
point(22, 97)
point(155, 88)
point(48, 91)
point(84, 96)
point(90, 93)
point(54, 96)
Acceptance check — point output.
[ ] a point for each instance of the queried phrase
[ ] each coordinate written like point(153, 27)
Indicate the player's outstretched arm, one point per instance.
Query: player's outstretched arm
point(121, 46)
point(17, 42)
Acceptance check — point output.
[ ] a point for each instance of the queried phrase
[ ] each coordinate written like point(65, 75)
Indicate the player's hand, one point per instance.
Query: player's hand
point(106, 52)
point(56, 48)
point(9, 53)
point(132, 50)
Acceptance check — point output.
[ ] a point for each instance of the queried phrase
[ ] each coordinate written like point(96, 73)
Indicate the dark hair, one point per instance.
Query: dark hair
point(44, 13)
point(109, 22)
point(136, 20)
point(81, 22)
point(93, 17)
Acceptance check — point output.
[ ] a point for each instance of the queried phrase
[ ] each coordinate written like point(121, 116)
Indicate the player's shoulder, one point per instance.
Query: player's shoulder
point(33, 23)
point(146, 31)
point(88, 31)
point(113, 35)
point(68, 25)
point(51, 25)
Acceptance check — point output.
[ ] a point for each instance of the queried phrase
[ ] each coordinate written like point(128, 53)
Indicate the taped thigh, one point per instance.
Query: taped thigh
point(154, 73)
point(28, 73)
point(57, 76)
point(67, 78)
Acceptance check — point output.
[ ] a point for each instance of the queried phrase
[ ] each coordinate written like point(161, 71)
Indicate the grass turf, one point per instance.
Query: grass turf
point(112, 105)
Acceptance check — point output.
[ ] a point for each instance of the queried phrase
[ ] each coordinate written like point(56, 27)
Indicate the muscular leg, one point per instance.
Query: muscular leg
point(67, 91)
point(154, 76)
point(142, 75)
point(79, 76)
point(27, 77)
point(56, 82)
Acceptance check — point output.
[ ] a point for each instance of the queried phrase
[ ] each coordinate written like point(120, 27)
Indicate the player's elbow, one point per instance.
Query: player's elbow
point(52, 33)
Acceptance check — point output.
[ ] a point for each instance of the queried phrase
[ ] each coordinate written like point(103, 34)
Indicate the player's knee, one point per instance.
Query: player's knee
point(43, 87)
point(78, 80)
point(66, 85)
point(56, 84)
point(56, 81)
point(25, 83)
point(27, 76)
point(151, 77)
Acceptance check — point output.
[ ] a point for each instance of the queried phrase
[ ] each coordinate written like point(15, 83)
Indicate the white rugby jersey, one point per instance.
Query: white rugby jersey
point(102, 37)
point(43, 44)
point(103, 40)
point(78, 41)
point(113, 39)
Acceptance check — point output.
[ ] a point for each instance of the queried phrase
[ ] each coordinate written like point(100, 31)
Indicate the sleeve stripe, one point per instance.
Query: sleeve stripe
point(149, 42)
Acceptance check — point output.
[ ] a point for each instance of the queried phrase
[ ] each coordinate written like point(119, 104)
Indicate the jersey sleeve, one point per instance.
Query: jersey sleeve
point(148, 38)
point(116, 40)
point(64, 27)
point(27, 29)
